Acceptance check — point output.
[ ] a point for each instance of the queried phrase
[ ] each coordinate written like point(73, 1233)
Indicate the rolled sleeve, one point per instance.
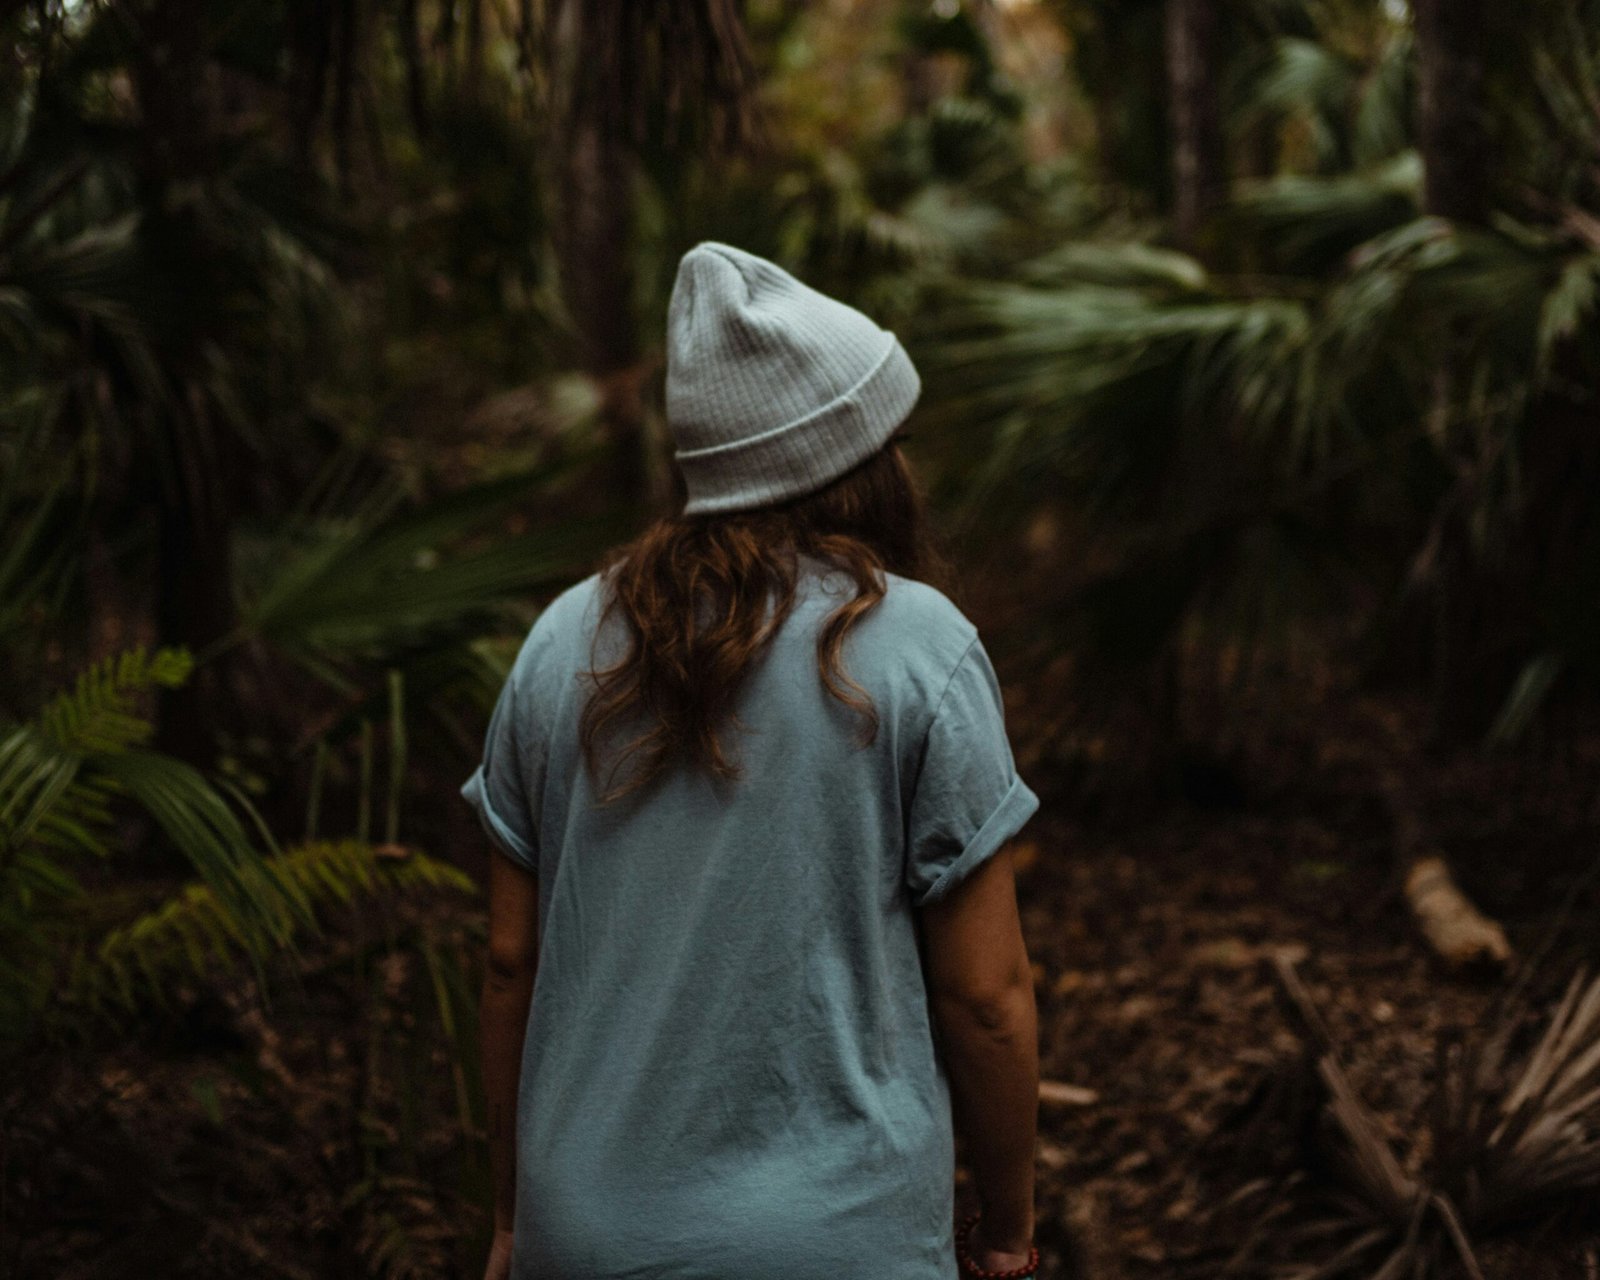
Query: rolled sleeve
point(969, 799)
point(505, 787)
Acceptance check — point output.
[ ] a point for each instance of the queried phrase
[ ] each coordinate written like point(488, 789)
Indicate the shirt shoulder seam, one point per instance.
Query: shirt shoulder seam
point(949, 683)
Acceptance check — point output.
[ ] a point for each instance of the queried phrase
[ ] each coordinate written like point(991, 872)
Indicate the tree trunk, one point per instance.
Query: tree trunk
point(597, 275)
point(1196, 117)
point(1451, 127)
point(621, 76)
point(1452, 136)
point(195, 464)
point(195, 605)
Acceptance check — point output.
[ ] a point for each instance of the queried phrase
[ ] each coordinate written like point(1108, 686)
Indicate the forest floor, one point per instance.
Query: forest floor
point(1153, 934)
point(323, 1138)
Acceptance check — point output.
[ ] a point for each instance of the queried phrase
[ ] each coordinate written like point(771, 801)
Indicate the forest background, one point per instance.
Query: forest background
point(1260, 344)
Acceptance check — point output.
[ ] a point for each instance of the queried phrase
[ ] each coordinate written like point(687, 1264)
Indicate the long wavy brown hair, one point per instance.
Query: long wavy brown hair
point(695, 591)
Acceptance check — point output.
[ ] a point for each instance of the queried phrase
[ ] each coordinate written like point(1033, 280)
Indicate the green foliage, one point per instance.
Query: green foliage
point(388, 580)
point(60, 776)
point(96, 716)
point(54, 788)
point(1196, 417)
point(196, 936)
point(1309, 225)
point(235, 265)
point(1343, 111)
point(62, 773)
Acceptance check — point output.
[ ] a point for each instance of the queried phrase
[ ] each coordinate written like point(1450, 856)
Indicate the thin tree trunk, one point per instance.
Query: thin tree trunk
point(1453, 139)
point(194, 584)
point(597, 272)
point(194, 603)
point(411, 54)
point(620, 73)
point(1197, 169)
point(1451, 127)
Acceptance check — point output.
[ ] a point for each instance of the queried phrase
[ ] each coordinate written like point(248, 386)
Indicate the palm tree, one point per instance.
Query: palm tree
point(159, 263)
point(1159, 391)
point(171, 264)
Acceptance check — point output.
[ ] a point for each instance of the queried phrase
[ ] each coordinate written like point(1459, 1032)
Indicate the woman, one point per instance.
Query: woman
point(754, 793)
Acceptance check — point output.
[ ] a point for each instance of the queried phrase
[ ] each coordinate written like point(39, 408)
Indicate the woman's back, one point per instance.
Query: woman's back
point(731, 1058)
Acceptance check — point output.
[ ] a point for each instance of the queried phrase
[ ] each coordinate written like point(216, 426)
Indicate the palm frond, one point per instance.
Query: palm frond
point(37, 542)
point(1509, 1136)
point(1123, 264)
point(1382, 126)
point(1525, 1133)
point(207, 831)
point(53, 789)
point(1112, 386)
point(1149, 392)
point(1308, 224)
point(382, 582)
point(1307, 82)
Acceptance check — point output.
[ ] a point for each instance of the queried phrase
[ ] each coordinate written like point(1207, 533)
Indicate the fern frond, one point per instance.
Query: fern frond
point(197, 935)
point(207, 831)
point(58, 778)
point(99, 714)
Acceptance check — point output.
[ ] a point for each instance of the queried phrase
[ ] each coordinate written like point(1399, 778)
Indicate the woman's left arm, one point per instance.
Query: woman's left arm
point(513, 960)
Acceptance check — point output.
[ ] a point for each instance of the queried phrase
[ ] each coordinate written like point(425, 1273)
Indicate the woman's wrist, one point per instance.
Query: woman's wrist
point(1007, 1233)
point(1009, 1243)
point(982, 1258)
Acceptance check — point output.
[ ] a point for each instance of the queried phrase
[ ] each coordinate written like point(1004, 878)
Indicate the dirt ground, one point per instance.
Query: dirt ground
point(1152, 932)
point(326, 1140)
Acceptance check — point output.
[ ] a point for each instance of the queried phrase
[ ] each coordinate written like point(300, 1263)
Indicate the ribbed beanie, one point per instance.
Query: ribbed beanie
point(773, 389)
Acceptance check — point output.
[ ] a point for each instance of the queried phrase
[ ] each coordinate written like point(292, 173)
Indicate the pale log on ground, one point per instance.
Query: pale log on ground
point(1460, 934)
point(1060, 1093)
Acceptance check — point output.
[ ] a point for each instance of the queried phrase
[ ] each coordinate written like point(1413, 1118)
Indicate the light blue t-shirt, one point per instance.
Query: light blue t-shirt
point(730, 1071)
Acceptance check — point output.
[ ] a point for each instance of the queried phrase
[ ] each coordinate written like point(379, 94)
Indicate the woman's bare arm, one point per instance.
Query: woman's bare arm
point(503, 1016)
point(980, 989)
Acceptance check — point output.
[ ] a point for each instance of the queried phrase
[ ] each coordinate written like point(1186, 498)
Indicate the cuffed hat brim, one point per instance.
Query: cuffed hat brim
point(803, 456)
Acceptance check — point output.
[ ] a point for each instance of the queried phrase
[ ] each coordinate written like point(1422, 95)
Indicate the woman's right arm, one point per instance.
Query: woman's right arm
point(513, 963)
point(980, 989)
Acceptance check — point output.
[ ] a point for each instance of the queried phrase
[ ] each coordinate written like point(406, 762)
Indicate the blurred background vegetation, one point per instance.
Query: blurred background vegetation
point(1261, 340)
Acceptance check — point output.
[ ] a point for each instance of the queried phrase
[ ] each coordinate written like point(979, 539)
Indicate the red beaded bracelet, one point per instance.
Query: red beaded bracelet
point(971, 1268)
